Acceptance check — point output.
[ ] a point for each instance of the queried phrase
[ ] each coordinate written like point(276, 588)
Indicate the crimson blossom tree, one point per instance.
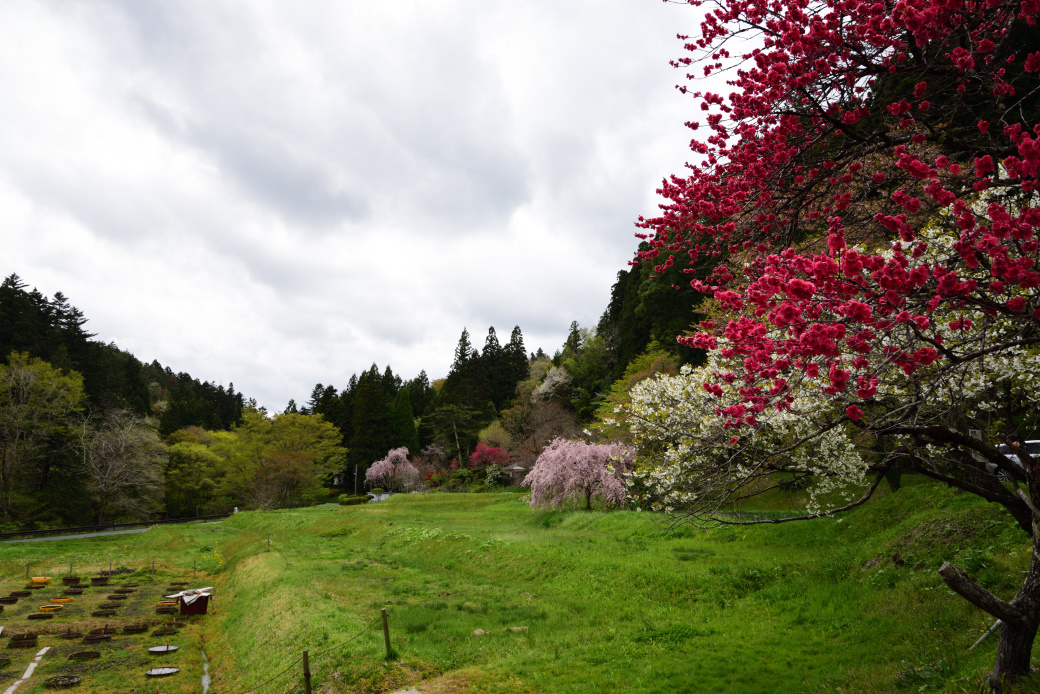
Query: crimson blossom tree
point(571, 472)
point(864, 210)
point(392, 471)
point(485, 454)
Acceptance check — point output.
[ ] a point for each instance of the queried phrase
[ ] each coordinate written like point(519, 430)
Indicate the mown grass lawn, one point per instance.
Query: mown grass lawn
point(610, 602)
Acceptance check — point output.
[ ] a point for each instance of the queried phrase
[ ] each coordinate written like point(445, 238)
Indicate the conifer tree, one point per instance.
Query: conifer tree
point(516, 358)
point(371, 425)
point(421, 392)
point(573, 343)
point(497, 367)
point(463, 352)
point(402, 423)
point(391, 383)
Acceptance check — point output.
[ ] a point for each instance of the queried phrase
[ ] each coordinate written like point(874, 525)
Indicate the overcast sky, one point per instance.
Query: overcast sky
point(277, 194)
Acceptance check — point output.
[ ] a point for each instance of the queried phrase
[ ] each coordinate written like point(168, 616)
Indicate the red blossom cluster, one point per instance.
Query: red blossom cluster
point(485, 454)
point(853, 128)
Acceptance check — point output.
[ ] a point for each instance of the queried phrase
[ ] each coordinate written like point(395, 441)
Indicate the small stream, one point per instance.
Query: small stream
point(205, 672)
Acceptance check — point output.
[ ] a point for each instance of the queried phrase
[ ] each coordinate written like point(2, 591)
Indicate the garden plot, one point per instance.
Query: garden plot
point(110, 636)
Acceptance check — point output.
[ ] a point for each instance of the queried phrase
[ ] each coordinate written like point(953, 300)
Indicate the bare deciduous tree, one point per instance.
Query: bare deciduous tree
point(123, 460)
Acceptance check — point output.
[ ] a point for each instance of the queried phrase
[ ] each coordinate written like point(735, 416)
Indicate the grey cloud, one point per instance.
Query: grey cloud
point(314, 187)
point(425, 139)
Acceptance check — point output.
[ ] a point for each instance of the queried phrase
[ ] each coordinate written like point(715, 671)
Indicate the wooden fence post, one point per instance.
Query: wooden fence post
point(306, 674)
point(386, 633)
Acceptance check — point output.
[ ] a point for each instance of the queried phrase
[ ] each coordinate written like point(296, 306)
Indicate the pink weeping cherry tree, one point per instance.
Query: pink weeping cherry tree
point(392, 472)
point(574, 472)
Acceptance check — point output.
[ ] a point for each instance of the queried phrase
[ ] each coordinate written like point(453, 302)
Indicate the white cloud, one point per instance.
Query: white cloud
point(278, 195)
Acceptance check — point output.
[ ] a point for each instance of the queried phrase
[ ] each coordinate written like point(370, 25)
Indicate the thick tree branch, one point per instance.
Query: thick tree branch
point(963, 586)
point(1028, 502)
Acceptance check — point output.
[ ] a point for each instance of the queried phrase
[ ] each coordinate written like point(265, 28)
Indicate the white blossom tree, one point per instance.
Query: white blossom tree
point(693, 463)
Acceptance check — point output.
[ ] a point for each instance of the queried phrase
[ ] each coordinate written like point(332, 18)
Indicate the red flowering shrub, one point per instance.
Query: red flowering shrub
point(485, 454)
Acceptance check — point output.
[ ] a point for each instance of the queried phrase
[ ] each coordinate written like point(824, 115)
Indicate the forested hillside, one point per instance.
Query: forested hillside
point(503, 395)
point(52, 329)
point(192, 447)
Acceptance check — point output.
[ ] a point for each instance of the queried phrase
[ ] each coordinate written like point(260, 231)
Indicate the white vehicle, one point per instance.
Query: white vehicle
point(1033, 448)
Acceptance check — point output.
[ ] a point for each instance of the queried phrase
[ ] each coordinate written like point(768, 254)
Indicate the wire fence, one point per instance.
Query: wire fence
point(299, 660)
point(88, 565)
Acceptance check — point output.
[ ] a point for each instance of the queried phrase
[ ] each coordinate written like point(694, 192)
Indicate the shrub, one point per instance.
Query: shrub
point(346, 500)
point(462, 477)
point(492, 475)
point(487, 455)
point(377, 490)
point(436, 478)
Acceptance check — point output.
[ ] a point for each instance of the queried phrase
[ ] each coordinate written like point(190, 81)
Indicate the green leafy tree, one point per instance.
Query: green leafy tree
point(286, 479)
point(589, 366)
point(36, 401)
point(457, 427)
point(610, 416)
point(277, 461)
point(192, 476)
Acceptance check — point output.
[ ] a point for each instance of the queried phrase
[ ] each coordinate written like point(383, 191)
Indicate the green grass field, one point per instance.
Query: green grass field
point(609, 602)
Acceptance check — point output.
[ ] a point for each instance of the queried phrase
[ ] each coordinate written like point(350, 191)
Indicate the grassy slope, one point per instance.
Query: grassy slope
point(612, 601)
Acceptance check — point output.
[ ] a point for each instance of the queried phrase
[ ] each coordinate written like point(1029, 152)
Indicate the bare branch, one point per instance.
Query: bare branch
point(971, 591)
point(859, 502)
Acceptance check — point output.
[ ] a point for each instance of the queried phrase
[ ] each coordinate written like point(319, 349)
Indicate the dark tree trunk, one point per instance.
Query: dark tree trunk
point(894, 476)
point(1016, 639)
point(1013, 653)
point(1021, 617)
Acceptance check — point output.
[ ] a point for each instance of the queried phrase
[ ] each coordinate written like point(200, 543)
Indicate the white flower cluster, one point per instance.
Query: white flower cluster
point(690, 460)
